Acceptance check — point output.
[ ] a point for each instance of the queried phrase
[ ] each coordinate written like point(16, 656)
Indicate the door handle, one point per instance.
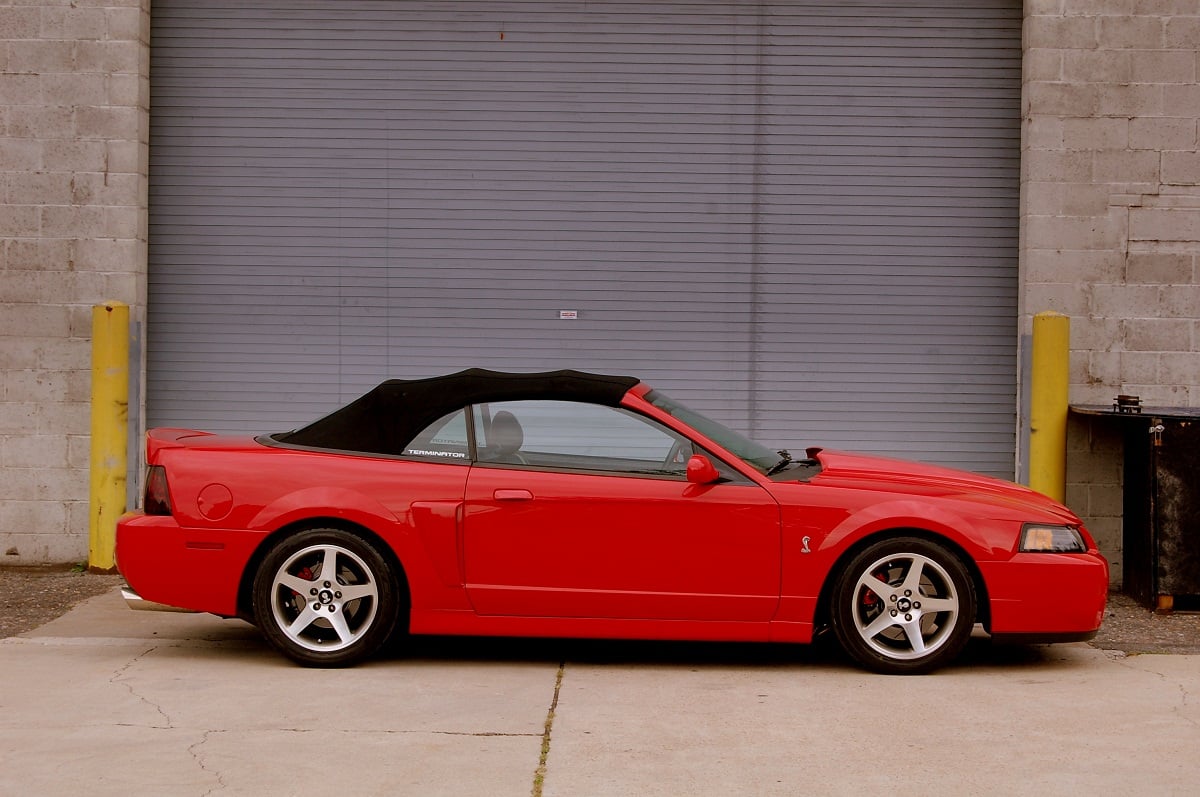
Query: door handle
point(513, 495)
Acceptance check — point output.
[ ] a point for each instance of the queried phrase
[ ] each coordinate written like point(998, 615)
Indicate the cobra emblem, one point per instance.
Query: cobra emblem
point(805, 539)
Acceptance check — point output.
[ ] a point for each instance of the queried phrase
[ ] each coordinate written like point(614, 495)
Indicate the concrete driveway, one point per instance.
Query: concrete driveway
point(106, 701)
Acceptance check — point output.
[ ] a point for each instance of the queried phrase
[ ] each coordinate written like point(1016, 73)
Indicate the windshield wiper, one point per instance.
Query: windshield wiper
point(785, 459)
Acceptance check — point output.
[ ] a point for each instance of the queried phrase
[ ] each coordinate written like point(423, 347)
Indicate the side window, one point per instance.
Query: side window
point(572, 435)
point(444, 440)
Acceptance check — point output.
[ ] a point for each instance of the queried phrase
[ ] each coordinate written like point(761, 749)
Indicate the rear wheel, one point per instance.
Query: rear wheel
point(904, 606)
point(325, 598)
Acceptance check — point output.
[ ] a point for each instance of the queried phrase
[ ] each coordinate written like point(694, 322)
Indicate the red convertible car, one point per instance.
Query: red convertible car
point(580, 505)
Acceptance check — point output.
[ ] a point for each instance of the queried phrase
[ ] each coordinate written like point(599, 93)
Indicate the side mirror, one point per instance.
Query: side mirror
point(700, 470)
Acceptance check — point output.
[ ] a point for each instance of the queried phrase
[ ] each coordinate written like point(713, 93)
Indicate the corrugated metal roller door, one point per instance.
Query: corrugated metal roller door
point(800, 217)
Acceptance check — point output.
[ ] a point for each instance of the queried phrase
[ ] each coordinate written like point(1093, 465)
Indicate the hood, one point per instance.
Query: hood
point(862, 471)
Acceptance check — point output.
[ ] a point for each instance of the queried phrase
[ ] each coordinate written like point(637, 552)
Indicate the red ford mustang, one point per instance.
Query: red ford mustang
point(580, 505)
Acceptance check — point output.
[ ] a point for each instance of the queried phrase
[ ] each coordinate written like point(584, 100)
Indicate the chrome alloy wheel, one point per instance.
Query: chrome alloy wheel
point(905, 606)
point(324, 598)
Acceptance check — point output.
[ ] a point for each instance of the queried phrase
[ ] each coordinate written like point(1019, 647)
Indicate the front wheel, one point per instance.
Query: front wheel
point(904, 606)
point(325, 598)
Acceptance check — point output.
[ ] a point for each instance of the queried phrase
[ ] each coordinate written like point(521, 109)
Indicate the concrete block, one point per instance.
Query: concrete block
point(1159, 224)
point(1096, 134)
point(1056, 166)
point(33, 451)
point(1044, 132)
point(1163, 134)
point(1162, 395)
point(76, 88)
point(37, 254)
point(68, 221)
point(67, 418)
point(21, 89)
point(1124, 301)
point(1183, 31)
point(1103, 367)
point(1179, 98)
point(1159, 268)
point(34, 320)
point(21, 154)
point(38, 122)
point(1097, 66)
point(72, 23)
point(1097, 334)
point(1179, 301)
point(124, 24)
point(1163, 66)
point(18, 418)
point(1074, 232)
point(1139, 367)
point(1181, 168)
point(1053, 265)
point(1066, 199)
point(108, 57)
point(1062, 32)
point(129, 156)
point(1063, 99)
point(20, 221)
point(1043, 65)
point(1130, 31)
point(36, 188)
point(1105, 500)
point(107, 122)
point(24, 518)
point(71, 155)
point(1158, 334)
point(20, 23)
point(107, 254)
point(1179, 368)
point(1139, 99)
point(1066, 298)
point(40, 56)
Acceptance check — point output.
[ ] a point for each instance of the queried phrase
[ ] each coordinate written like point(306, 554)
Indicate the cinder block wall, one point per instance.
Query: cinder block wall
point(1110, 229)
point(73, 162)
point(1111, 216)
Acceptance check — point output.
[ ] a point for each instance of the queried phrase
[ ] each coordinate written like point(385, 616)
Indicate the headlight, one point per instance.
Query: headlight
point(1040, 538)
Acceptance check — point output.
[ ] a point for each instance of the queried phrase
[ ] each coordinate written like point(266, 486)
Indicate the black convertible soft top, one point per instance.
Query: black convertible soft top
point(384, 420)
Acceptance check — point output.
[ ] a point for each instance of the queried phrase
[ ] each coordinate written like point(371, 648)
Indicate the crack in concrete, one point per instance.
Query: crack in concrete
point(194, 751)
point(539, 774)
point(116, 679)
point(1185, 696)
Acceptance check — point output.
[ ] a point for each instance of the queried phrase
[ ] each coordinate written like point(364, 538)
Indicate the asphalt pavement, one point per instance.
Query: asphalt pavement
point(107, 701)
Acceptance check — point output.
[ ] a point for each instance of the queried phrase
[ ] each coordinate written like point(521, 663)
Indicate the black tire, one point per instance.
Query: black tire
point(326, 598)
point(903, 606)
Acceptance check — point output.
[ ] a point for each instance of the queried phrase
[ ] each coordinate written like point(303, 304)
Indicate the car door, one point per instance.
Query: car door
point(581, 510)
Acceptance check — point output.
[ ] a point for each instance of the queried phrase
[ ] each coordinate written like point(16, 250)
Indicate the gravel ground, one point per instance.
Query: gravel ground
point(31, 596)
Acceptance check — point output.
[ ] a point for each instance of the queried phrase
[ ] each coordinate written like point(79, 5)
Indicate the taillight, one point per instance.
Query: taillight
point(158, 498)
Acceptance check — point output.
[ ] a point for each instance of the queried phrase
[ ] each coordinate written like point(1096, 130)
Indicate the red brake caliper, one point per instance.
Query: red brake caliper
point(869, 597)
point(305, 573)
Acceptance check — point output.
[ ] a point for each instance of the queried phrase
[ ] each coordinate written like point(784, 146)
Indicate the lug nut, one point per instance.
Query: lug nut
point(313, 592)
point(908, 618)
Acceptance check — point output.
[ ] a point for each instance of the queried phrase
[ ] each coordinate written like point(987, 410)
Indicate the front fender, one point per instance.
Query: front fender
point(969, 534)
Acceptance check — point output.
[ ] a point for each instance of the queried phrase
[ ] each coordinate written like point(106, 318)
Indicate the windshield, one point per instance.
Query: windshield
point(746, 449)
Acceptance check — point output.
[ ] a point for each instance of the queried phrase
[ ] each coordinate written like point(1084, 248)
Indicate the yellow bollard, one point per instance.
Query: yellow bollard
point(110, 424)
point(1049, 383)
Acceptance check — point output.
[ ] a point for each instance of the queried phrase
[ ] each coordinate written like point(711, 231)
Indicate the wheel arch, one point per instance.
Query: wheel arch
point(246, 583)
point(821, 618)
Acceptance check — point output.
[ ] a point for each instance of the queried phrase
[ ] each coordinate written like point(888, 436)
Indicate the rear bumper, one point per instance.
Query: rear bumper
point(172, 566)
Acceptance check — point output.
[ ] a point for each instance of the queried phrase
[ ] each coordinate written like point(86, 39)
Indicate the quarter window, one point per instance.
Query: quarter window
point(444, 440)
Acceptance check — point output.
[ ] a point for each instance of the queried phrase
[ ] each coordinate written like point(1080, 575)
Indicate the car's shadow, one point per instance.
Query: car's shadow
point(981, 651)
